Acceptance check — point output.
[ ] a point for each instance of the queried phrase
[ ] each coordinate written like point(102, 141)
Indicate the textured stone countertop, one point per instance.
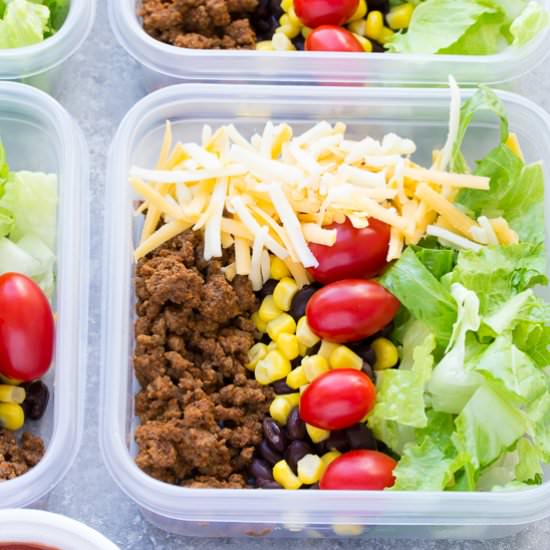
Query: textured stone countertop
point(103, 85)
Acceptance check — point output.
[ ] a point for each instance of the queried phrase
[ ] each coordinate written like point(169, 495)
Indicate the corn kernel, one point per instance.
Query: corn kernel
point(314, 366)
point(399, 17)
point(365, 42)
point(10, 381)
point(288, 345)
point(279, 270)
point(278, 366)
point(290, 30)
point(387, 355)
point(12, 394)
point(265, 46)
point(329, 457)
point(261, 373)
point(358, 27)
point(12, 416)
point(256, 353)
point(305, 335)
point(296, 378)
point(293, 399)
point(360, 11)
point(374, 24)
point(285, 477)
point(281, 42)
point(327, 348)
point(293, 18)
point(385, 35)
point(268, 310)
point(284, 19)
point(317, 434)
point(279, 410)
point(284, 293)
point(284, 323)
point(260, 324)
point(344, 358)
point(302, 348)
point(306, 31)
point(310, 469)
point(303, 388)
point(287, 4)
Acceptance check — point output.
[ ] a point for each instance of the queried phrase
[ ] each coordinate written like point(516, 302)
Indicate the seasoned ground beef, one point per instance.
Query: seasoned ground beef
point(18, 458)
point(200, 24)
point(200, 409)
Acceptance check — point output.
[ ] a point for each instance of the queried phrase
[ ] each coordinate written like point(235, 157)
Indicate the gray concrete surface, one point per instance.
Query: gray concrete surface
point(103, 85)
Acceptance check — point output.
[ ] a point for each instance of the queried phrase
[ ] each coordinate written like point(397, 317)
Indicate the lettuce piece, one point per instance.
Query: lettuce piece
point(529, 466)
point(394, 435)
point(24, 24)
point(59, 9)
point(410, 281)
point(529, 23)
point(539, 418)
point(437, 259)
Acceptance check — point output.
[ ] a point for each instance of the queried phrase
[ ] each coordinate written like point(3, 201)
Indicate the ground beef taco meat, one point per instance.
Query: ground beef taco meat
point(200, 408)
point(17, 458)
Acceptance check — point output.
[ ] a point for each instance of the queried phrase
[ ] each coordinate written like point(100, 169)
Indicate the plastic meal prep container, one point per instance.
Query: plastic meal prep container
point(39, 135)
point(165, 64)
point(419, 114)
point(41, 65)
point(59, 532)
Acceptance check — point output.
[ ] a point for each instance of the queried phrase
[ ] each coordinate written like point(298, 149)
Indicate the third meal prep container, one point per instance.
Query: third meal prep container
point(41, 65)
point(418, 114)
point(165, 64)
point(39, 135)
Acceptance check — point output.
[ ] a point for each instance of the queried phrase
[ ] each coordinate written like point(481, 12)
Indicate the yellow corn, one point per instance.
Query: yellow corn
point(272, 346)
point(385, 35)
point(326, 349)
point(317, 434)
point(399, 17)
point(306, 31)
point(302, 388)
point(256, 353)
point(329, 457)
point(279, 270)
point(281, 42)
point(358, 27)
point(310, 469)
point(278, 366)
point(296, 378)
point(289, 29)
point(387, 355)
point(260, 324)
point(280, 409)
point(374, 24)
point(11, 394)
point(268, 310)
point(285, 477)
point(12, 416)
point(303, 348)
point(10, 381)
point(293, 19)
point(284, 323)
point(265, 46)
point(360, 12)
point(287, 4)
point(365, 42)
point(261, 373)
point(344, 358)
point(284, 293)
point(293, 399)
point(305, 335)
point(314, 366)
point(288, 345)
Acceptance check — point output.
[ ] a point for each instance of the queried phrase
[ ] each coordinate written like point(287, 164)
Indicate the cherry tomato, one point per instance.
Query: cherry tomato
point(356, 252)
point(26, 329)
point(314, 13)
point(359, 470)
point(329, 38)
point(350, 310)
point(337, 399)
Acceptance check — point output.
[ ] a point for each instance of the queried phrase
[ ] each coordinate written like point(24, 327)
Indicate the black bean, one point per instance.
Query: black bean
point(266, 484)
point(314, 487)
point(296, 362)
point(364, 350)
point(360, 437)
point(268, 454)
point(299, 42)
point(386, 332)
point(274, 435)
point(300, 300)
point(36, 400)
point(295, 426)
point(295, 452)
point(267, 289)
point(369, 371)
point(321, 447)
point(281, 387)
point(260, 469)
point(379, 5)
point(337, 441)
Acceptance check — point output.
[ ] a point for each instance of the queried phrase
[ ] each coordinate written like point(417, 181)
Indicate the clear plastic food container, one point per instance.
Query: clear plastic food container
point(41, 65)
point(59, 532)
point(419, 114)
point(39, 135)
point(165, 64)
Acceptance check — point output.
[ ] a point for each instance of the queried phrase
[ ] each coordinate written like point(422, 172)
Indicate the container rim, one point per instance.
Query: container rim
point(28, 61)
point(71, 297)
point(38, 523)
point(399, 508)
point(192, 65)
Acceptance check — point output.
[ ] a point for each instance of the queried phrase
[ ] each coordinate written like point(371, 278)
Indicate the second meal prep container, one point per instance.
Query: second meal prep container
point(39, 135)
point(41, 65)
point(59, 532)
point(418, 114)
point(164, 64)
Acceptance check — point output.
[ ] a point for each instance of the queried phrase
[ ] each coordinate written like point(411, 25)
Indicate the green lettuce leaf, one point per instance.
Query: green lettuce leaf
point(539, 417)
point(529, 23)
point(437, 259)
point(529, 466)
point(23, 24)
